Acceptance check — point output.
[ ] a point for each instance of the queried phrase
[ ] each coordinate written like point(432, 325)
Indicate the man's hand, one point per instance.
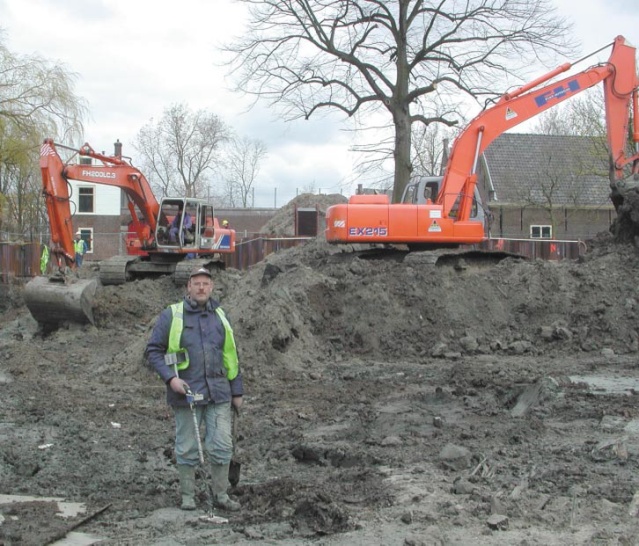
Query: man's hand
point(237, 402)
point(177, 385)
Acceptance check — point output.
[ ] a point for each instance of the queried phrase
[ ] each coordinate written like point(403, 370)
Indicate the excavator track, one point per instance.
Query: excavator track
point(183, 269)
point(115, 270)
point(456, 258)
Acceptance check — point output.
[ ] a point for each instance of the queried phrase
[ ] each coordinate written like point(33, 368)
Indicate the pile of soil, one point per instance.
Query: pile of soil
point(391, 400)
point(283, 223)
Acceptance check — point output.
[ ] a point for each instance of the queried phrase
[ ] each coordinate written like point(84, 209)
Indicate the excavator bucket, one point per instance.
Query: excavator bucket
point(53, 300)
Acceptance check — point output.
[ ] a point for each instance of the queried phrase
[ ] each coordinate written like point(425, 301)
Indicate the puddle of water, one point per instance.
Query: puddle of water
point(66, 509)
point(607, 385)
point(632, 427)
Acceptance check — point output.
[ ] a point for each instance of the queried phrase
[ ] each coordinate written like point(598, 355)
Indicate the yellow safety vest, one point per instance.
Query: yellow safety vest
point(229, 352)
point(44, 259)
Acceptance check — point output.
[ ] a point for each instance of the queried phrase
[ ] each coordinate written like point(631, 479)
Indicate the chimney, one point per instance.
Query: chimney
point(445, 152)
point(118, 148)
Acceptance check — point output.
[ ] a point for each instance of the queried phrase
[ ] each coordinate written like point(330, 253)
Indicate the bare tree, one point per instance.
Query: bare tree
point(19, 190)
point(401, 57)
point(37, 100)
point(584, 116)
point(428, 149)
point(310, 187)
point(241, 167)
point(180, 151)
point(38, 94)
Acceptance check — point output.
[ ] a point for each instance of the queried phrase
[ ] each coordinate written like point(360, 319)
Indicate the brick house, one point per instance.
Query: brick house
point(546, 186)
point(97, 216)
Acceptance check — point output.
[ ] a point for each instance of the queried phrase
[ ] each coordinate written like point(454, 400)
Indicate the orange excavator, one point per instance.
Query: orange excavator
point(447, 211)
point(169, 237)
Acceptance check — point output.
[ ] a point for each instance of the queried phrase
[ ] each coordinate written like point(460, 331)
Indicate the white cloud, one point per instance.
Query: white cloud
point(597, 22)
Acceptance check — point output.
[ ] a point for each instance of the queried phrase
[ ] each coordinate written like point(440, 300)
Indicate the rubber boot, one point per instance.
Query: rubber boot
point(219, 485)
point(187, 486)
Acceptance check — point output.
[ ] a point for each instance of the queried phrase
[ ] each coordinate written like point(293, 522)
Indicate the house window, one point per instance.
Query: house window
point(410, 194)
point(541, 232)
point(85, 200)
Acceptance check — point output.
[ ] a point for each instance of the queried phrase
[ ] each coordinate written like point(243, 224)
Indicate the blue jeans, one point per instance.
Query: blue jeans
point(78, 259)
point(217, 440)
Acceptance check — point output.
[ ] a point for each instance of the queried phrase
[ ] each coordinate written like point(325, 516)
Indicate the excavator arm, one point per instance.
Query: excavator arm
point(113, 171)
point(619, 76)
point(57, 199)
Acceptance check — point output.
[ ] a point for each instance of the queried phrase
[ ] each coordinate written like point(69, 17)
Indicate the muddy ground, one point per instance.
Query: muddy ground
point(390, 401)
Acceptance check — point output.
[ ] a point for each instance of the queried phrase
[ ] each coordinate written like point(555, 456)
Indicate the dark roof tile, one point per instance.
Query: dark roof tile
point(533, 168)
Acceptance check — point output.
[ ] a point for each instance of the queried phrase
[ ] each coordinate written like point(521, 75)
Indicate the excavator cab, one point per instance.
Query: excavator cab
point(178, 223)
point(190, 226)
point(425, 190)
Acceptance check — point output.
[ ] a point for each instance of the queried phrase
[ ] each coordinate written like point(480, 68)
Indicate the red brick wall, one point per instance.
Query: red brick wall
point(570, 224)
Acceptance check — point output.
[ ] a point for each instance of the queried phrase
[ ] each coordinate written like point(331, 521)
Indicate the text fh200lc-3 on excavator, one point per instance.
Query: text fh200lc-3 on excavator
point(161, 235)
point(445, 211)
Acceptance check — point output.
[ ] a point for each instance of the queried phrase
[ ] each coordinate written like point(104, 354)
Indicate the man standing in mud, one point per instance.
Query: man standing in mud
point(193, 350)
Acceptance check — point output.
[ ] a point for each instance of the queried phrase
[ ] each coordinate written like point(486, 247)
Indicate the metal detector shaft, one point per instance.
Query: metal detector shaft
point(171, 360)
point(189, 398)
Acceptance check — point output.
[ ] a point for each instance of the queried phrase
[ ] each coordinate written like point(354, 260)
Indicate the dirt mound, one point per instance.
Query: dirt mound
point(319, 302)
point(283, 223)
point(625, 227)
point(391, 399)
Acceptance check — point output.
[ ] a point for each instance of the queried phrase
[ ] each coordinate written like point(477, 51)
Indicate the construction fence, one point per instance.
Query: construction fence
point(19, 261)
point(22, 261)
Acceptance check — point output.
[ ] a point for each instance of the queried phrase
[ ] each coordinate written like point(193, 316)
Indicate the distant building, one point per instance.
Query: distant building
point(246, 222)
point(546, 186)
point(98, 217)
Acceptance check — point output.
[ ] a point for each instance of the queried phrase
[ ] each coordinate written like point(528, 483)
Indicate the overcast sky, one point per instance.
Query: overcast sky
point(134, 58)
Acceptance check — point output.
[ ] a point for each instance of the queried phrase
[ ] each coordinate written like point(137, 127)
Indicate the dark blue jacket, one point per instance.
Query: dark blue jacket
point(203, 337)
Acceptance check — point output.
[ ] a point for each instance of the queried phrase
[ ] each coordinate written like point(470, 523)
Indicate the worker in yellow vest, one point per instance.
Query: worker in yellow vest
point(80, 246)
point(192, 348)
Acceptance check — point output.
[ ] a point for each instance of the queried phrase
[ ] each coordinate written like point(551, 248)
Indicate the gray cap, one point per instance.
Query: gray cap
point(200, 271)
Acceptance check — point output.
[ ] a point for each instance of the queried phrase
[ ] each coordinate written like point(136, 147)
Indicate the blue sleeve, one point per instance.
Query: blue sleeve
point(157, 346)
point(237, 385)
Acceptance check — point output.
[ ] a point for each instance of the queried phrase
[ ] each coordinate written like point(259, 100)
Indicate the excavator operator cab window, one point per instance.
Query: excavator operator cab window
point(189, 224)
point(168, 210)
point(177, 223)
point(431, 189)
point(418, 193)
point(409, 194)
point(207, 230)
